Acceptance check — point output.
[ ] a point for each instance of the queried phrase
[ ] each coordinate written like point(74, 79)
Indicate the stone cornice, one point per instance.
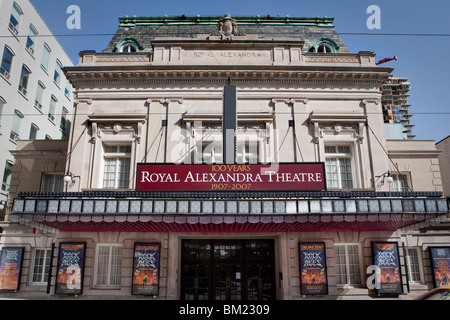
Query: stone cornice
point(410, 154)
point(219, 74)
point(213, 20)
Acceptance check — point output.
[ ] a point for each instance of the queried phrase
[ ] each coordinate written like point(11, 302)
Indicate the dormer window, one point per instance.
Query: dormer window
point(128, 47)
point(324, 48)
point(325, 45)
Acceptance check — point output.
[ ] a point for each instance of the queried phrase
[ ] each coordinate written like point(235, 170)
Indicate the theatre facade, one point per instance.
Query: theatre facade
point(224, 158)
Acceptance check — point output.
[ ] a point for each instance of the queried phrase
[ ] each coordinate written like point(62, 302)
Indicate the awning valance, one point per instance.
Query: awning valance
point(227, 215)
point(224, 223)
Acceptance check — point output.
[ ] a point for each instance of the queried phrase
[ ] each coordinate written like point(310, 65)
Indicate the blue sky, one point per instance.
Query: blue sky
point(421, 59)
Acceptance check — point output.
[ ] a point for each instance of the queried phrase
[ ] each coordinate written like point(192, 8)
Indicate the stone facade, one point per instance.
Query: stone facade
point(164, 104)
point(444, 147)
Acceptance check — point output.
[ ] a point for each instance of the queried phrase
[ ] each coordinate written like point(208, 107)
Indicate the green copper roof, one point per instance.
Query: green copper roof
point(212, 20)
point(143, 30)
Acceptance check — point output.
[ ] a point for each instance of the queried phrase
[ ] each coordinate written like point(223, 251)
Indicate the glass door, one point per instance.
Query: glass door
point(260, 282)
point(196, 282)
point(228, 270)
point(228, 285)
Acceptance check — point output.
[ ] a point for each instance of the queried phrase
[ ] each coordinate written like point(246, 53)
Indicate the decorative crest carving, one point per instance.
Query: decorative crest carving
point(228, 27)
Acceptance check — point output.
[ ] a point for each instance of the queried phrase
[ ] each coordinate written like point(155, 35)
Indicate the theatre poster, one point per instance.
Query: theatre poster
point(69, 276)
point(387, 263)
point(440, 262)
point(146, 269)
point(10, 268)
point(313, 269)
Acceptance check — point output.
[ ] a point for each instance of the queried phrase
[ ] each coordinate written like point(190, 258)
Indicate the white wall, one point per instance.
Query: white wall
point(9, 87)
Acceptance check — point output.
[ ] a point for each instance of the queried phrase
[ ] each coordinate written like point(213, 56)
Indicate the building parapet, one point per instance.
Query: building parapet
point(212, 52)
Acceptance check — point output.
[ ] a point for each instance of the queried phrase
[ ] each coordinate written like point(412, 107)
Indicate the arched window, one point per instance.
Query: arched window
point(16, 126)
point(7, 58)
point(128, 45)
point(325, 48)
point(7, 175)
point(52, 109)
point(24, 77)
point(63, 124)
point(58, 72)
point(15, 18)
point(325, 45)
point(31, 40)
point(33, 131)
point(45, 56)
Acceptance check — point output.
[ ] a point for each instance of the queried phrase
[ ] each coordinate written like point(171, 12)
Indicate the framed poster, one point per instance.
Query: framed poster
point(313, 269)
point(11, 268)
point(387, 266)
point(440, 262)
point(69, 276)
point(146, 269)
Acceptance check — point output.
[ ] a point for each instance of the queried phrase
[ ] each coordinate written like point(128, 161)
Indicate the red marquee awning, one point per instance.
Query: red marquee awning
point(87, 214)
point(226, 223)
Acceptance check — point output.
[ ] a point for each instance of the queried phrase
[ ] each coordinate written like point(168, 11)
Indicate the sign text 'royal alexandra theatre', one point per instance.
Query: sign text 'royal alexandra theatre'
point(236, 177)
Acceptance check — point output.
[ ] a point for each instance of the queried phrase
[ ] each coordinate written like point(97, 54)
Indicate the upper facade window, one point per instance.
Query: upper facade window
point(14, 20)
point(7, 58)
point(116, 173)
point(52, 182)
point(39, 95)
point(45, 56)
point(24, 77)
point(34, 129)
point(128, 45)
point(7, 174)
point(325, 45)
point(58, 72)
point(31, 40)
point(338, 162)
point(16, 126)
point(207, 145)
point(401, 182)
point(325, 48)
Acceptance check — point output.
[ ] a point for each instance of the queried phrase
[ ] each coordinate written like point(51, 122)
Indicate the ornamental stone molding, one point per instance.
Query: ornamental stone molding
point(350, 77)
point(290, 101)
point(165, 100)
point(86, 101)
